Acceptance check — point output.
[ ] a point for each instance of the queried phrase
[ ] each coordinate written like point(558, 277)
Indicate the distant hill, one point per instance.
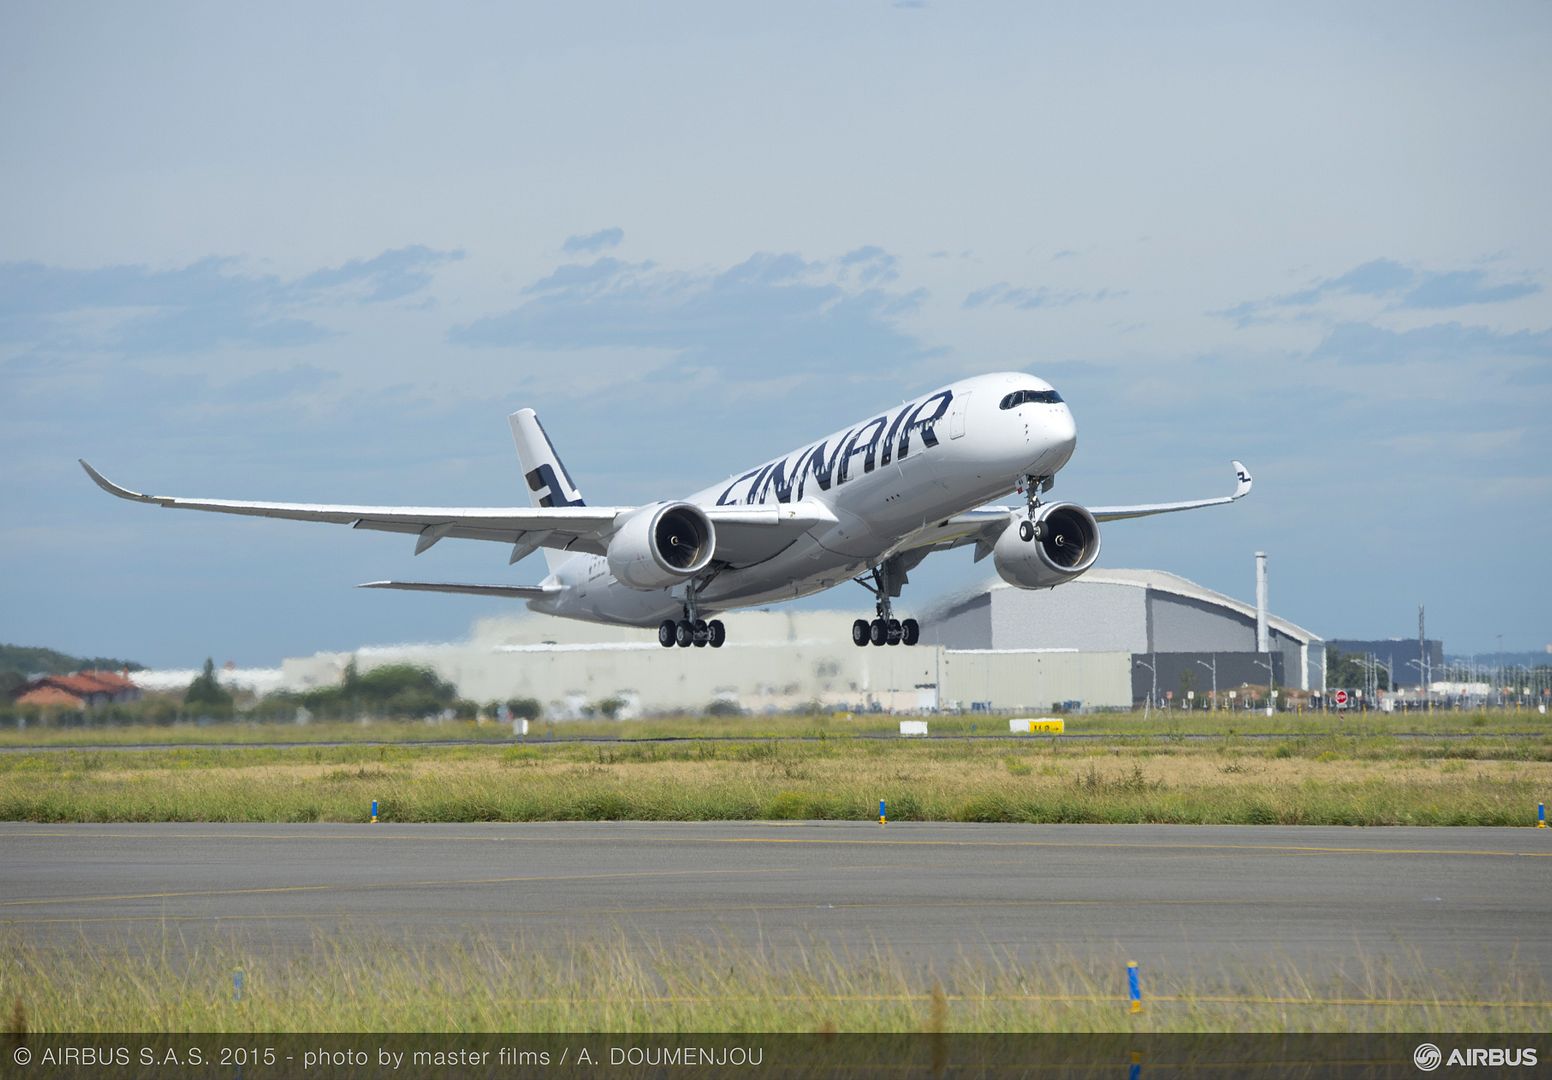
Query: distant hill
point(31, 659)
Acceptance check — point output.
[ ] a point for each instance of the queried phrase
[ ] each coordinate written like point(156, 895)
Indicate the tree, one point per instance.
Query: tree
point(206, 692)
point(525, 708)
point(1344, 672)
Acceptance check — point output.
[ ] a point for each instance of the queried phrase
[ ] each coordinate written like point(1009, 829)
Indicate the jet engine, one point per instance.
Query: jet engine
point(1061, 542)
point(662, 545)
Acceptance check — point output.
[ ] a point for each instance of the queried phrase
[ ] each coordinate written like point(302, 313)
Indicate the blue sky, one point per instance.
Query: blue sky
point(318, 254)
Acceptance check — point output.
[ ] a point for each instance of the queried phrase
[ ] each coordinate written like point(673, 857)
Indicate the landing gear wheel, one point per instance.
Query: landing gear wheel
point(716, 633)
point(859, 632)
point(1026, 531)
point(665, 634)
point(698, 632)
point(878, 631)
point(684, 633)
point(892, 634)
point(910, 632)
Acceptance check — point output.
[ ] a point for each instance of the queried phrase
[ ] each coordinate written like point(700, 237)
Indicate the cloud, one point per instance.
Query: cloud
point(872, 265)
point(1003, 294)
point(770, 312)
point(1461, 287)
point(601, 240)
point(208, 303)
point(1387, 279)
point(1364, 343)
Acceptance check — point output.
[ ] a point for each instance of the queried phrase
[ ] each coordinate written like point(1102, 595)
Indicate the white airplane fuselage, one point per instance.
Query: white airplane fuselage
point(881, 479)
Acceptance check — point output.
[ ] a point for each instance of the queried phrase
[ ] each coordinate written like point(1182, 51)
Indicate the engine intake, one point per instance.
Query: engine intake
point(661, 546)
point(1063, 544)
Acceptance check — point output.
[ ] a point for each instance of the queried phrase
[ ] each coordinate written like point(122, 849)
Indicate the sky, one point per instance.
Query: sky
point(318, 252)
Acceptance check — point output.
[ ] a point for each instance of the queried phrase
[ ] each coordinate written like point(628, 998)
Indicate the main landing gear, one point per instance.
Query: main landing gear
point(687, 632)
point(885, 629)
point(691, 630)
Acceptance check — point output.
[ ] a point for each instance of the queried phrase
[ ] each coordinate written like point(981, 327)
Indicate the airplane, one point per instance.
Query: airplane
point(865, 504)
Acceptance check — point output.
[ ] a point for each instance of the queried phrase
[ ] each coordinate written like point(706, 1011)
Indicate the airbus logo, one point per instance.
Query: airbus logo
point(1429, 1057)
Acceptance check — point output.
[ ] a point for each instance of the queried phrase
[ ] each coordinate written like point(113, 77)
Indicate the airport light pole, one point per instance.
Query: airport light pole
point(1148, 705)
point(1422, 673)
point(1271, 681)
point(1213, 667)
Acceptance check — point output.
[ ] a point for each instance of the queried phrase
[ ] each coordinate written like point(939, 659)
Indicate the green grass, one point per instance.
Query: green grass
point(484, 984)
point(1327, 779)
point(1161, 725)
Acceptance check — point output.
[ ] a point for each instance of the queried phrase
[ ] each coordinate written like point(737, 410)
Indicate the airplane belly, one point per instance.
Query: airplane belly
point(805, 567)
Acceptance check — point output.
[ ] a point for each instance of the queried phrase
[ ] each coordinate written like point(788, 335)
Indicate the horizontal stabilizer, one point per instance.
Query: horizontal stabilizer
point(515, 592)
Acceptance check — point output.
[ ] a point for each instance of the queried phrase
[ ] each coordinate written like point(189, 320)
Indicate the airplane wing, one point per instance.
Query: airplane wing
point(981, 527)
point(516, 592)
point(1117, 513)
point(743, 533)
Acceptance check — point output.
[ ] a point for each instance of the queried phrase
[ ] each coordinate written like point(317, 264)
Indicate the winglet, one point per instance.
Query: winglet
point(1245, 480)
point(110, 487)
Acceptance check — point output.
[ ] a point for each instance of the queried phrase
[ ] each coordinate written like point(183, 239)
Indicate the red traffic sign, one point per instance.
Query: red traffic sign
point(1341, 697)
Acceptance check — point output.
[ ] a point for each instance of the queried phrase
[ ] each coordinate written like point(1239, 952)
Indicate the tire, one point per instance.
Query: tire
point(892, 633)
point(878, 633)
point(1026, 531)
point(910, 632)
point(859, 632)
point(684, 633)
point(716, 633)
point(665, 633)
point(701, 634)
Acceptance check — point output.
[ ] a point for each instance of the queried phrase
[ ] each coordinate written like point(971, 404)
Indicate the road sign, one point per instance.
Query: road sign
point(1341, 699)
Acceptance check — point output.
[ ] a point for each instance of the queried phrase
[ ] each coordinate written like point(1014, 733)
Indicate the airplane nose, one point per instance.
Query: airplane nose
point(1063, 433)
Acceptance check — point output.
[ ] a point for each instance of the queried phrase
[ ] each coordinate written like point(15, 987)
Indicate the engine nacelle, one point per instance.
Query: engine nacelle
point(662, 545)
point(1065, 544)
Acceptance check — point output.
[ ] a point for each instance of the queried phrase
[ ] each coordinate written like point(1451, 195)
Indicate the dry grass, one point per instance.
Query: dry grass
point(1331, 781)
point(490, 985)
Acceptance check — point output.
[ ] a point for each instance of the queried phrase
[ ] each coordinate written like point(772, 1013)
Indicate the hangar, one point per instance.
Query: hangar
point(1142, 612)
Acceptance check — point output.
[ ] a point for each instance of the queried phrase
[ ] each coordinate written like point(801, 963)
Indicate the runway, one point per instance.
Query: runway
point(1213, 902)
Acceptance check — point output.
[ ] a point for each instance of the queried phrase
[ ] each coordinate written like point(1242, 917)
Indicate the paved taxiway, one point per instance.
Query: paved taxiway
point(1200, 901)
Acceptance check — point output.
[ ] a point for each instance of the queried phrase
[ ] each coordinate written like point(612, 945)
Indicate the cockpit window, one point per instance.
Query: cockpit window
point(1021, 397)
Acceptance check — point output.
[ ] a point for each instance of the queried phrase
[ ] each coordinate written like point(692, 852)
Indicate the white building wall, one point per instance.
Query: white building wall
point(1024, 679)
point(1093, 618)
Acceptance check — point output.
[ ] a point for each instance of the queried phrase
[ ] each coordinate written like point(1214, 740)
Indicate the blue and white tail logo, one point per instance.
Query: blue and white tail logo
point(549, 484)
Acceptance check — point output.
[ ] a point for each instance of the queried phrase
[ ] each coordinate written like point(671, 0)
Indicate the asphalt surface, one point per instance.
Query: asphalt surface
point(1211, 902)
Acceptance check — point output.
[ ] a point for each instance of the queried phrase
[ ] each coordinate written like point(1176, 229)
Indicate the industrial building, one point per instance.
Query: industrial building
point(994, 648)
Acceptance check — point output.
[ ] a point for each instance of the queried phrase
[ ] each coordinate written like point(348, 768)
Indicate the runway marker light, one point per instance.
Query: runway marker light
point(1541, 815)
point(1135, 1072)
point(1134, 986)
point(237, 985)
point(374, 811)
point(883, 819)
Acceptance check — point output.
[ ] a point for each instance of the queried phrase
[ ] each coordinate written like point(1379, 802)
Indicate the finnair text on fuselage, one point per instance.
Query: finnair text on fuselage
point(878, 442)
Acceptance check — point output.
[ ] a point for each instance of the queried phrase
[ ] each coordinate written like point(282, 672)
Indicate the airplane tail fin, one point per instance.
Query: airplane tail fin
point(549, 484)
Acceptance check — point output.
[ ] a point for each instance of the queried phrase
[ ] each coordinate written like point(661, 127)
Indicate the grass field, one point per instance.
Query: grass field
point(489, 985)
point(1160, 725)
point(1487, 773)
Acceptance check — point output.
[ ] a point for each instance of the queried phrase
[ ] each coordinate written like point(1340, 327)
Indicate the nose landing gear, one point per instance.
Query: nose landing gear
point(1031, 486)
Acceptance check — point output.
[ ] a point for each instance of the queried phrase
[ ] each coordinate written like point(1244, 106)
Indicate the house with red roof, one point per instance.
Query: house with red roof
point(82, 690)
